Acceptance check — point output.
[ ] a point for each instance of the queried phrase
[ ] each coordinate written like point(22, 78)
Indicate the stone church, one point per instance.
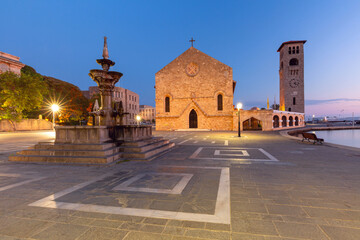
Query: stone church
point(196, 91)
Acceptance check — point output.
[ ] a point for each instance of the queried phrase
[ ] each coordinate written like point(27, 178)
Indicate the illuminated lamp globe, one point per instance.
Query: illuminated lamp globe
point(138, 118)
point(239, 106)
point(55, 107)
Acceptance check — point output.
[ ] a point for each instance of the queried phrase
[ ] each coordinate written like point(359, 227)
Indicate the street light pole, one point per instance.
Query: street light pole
point(239, 105)
point(138, 118)
point(239, 134)
point(53, 120)
point(54, 109)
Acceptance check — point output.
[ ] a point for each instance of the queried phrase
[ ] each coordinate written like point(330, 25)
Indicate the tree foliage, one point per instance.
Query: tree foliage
point(31, 94)
point(72, 102)
point(20, 95)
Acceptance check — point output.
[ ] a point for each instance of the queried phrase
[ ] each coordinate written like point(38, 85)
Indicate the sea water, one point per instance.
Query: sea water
point(350, 137)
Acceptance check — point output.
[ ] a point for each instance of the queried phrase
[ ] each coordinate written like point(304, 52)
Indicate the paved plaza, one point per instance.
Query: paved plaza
point(212, 185)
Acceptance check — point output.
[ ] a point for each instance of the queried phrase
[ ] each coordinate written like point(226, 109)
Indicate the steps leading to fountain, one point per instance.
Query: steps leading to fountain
point(144, 150)
point(93, 153)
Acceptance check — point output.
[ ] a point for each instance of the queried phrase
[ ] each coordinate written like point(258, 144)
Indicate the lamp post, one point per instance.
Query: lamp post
point(138, 118)
point(239, 106)
point(313, 121)
point(54, 109)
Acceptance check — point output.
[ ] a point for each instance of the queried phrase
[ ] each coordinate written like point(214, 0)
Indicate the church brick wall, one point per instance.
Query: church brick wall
point(198, 92)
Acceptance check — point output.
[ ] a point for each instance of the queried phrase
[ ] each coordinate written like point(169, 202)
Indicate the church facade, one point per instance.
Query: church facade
point(196, 91)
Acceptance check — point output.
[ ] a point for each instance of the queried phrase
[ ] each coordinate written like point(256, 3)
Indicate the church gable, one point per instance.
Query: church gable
point(192, 70)
point(191, 52)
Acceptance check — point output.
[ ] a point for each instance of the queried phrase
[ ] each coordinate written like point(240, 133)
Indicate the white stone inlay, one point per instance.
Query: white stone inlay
point(222, 207)
point(270, 158)
point(177, 189)
point(184, 141)
point(31, 179)
point(240, 153)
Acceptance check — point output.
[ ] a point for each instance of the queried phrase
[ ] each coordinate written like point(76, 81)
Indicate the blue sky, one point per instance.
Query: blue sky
point(63, 38)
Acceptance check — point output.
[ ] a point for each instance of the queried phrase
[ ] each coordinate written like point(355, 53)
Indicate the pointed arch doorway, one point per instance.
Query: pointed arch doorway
point(193, 119)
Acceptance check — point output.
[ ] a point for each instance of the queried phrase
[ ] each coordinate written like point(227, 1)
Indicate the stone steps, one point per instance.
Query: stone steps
point(93, 153)
point(66, 159)
point(70, 153)
point(67, 146)
point(143, 148)
point(143, 142)
point(149, 153)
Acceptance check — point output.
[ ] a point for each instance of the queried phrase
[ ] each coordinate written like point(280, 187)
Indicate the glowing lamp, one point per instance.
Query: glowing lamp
point(239, 106)
point(55, 107)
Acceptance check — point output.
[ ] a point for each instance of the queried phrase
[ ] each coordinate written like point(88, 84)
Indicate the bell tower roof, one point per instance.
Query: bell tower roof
point(290, 42)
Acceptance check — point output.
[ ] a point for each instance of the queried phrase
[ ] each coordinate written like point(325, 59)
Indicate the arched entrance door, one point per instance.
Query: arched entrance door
point(252, 124)
point(193, 123)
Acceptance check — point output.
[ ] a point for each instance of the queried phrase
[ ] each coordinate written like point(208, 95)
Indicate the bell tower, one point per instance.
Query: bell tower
point(292, 76)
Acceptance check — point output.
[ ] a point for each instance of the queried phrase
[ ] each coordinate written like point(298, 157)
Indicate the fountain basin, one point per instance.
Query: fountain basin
point(96, 74)
point(101, 134)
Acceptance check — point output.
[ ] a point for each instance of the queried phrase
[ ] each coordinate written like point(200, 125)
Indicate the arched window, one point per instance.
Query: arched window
point(294, 101)
point(289, 50)
point(296, 121)
point(291, 122)
point(167, 104)
point(293, 50)
point(220, 102)
point(275, 121)
point(297, 49)
point(294, 62)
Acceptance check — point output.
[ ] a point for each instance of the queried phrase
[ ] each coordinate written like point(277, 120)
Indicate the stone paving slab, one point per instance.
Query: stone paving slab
point(311, 192)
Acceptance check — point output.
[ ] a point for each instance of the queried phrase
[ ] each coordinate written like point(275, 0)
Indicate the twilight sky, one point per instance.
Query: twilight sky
point(63, 39)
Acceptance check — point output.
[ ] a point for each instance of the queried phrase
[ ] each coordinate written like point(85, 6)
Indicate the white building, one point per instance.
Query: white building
point(147, 113)
point(129, 99)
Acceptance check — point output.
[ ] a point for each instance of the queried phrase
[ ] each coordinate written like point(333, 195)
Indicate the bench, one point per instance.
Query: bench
point(311, 136)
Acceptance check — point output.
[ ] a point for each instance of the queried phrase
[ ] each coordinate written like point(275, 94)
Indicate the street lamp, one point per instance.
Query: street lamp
point(54, 109)
point(239, 106)
point(313, 116)
point(138, 118)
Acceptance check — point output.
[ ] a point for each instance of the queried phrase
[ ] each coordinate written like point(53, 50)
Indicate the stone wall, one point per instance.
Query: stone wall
point(267, 116)
point(292, 77)
point(25, 125)
point(193, 81)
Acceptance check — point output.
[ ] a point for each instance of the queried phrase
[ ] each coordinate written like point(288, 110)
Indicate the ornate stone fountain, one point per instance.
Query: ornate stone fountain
point(106, 81)
point(104, 142)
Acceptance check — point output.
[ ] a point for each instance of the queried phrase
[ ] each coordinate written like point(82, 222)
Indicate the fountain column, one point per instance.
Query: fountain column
point(106, 81)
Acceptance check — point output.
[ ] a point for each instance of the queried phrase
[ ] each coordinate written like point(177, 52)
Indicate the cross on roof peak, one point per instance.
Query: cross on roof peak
point(192, 42)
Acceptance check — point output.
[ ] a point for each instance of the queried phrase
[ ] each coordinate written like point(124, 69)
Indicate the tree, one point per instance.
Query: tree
point(20, 95)
point(73, 104)
point(275, 106)
point(31, 94)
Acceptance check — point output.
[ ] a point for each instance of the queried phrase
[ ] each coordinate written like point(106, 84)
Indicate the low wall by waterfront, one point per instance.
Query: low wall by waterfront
point(308, 129)
point(25, 125)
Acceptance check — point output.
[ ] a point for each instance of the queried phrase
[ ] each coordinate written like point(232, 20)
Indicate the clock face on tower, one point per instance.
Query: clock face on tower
point(294, 83)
